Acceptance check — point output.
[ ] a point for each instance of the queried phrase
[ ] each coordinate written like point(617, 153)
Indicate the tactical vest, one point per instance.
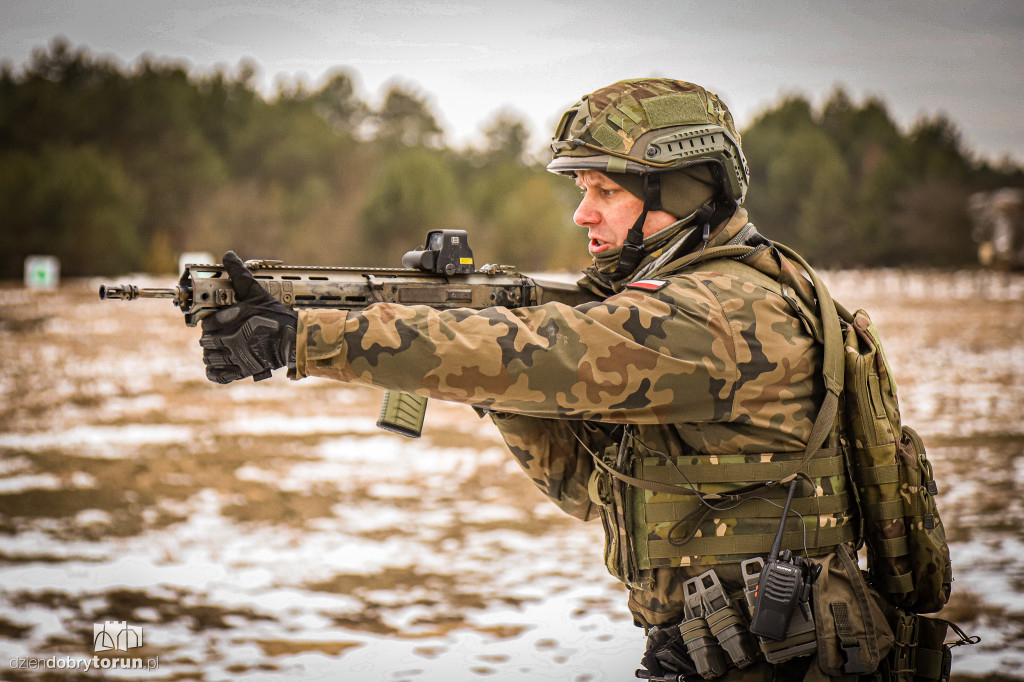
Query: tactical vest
point(660, 511)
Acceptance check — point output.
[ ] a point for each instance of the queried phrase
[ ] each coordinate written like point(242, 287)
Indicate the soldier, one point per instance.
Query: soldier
point(673, 406)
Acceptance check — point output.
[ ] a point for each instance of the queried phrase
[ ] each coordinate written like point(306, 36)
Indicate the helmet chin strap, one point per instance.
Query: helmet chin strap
point(633, 246)
point(716, 211)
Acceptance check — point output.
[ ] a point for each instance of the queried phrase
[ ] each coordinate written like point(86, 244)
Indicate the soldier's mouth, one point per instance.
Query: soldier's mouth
point(597, 245)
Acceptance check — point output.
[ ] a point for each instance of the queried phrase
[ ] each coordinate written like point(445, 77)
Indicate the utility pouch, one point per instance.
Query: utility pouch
point(933, 659)
point(801, 637)
point(920, 652)
point(600, 489)
point(853, 633)
point(609, 495)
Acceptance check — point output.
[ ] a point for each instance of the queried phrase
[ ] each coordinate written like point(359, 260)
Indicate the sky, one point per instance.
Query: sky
point(472, 58)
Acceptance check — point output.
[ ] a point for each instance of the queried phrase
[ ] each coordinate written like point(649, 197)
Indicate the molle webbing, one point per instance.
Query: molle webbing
point(749, 545)
point(829, 462)
point(673, 527)
point(753, 508)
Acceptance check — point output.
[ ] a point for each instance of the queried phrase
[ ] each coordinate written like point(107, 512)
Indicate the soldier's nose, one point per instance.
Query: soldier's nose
point(585, 216)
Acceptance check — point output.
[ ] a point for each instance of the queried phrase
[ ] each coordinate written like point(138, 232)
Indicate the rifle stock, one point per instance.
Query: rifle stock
point(202, 289)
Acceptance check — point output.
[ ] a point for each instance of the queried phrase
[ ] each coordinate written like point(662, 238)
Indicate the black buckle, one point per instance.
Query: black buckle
point(853, 664)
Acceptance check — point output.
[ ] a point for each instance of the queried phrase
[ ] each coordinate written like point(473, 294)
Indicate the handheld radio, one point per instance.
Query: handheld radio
point(778, 588)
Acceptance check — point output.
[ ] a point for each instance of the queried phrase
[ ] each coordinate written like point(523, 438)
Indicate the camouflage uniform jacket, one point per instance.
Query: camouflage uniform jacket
point(708, 366)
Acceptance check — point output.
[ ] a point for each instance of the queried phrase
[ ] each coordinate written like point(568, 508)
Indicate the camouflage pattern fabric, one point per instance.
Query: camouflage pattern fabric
point(708, 366)
point(616, 116)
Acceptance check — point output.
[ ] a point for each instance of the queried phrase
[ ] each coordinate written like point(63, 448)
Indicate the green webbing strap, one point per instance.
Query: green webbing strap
point(893, 509)
point(693, 629)
point(844, 628)
point(928, 663)
point(724, 473)
point(752, 544)
point(820, 467)
point(654, 486)
point(880, 475)
point(862, 602)
point(891, 547)
point(903, 657)
point(667, 512)
point(899, 584)
point(834, 365)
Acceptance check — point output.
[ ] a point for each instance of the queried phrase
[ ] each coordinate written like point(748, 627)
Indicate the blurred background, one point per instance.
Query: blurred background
point(270, 531)
point(130, 133)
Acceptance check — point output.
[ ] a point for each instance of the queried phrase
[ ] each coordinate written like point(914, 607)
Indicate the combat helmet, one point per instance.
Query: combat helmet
point(645, 128)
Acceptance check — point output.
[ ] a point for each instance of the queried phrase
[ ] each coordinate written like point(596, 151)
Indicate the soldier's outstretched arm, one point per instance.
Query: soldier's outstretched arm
point(693, 351)
point(633, 358)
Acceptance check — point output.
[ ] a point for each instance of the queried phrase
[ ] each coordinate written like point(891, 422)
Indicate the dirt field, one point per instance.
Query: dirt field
point(270, 531)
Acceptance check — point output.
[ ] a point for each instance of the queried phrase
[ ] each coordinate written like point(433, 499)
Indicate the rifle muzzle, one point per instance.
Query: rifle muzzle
point(130, 292)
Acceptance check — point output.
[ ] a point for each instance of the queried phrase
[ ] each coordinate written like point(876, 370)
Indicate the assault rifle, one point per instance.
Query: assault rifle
point(440, 275)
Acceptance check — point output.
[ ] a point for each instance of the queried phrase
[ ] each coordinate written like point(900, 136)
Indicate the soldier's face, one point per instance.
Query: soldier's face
point(607, 212)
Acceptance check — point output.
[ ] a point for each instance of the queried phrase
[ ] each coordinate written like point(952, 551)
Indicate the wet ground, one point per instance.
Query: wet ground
point(270, 531)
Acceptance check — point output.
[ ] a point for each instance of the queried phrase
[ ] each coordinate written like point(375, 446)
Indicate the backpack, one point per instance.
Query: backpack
point(908, 558)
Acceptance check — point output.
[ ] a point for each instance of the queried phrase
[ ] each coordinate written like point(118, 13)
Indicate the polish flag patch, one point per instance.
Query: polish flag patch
point(648, 284)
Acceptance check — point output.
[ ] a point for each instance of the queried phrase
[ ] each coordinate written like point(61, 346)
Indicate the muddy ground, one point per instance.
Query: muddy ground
point(270, 531)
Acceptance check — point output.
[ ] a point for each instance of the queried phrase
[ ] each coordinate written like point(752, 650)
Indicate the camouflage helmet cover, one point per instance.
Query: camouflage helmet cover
point(650, 125)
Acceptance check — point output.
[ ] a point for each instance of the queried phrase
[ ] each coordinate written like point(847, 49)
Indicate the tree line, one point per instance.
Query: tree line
point(118, 168)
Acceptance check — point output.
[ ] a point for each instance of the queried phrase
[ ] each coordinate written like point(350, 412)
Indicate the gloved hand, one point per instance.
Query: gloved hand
point(666, 657)
point(252, 337)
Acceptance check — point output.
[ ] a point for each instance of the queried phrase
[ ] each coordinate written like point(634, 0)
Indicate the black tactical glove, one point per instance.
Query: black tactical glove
point(252, 337)
point(666, 658)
